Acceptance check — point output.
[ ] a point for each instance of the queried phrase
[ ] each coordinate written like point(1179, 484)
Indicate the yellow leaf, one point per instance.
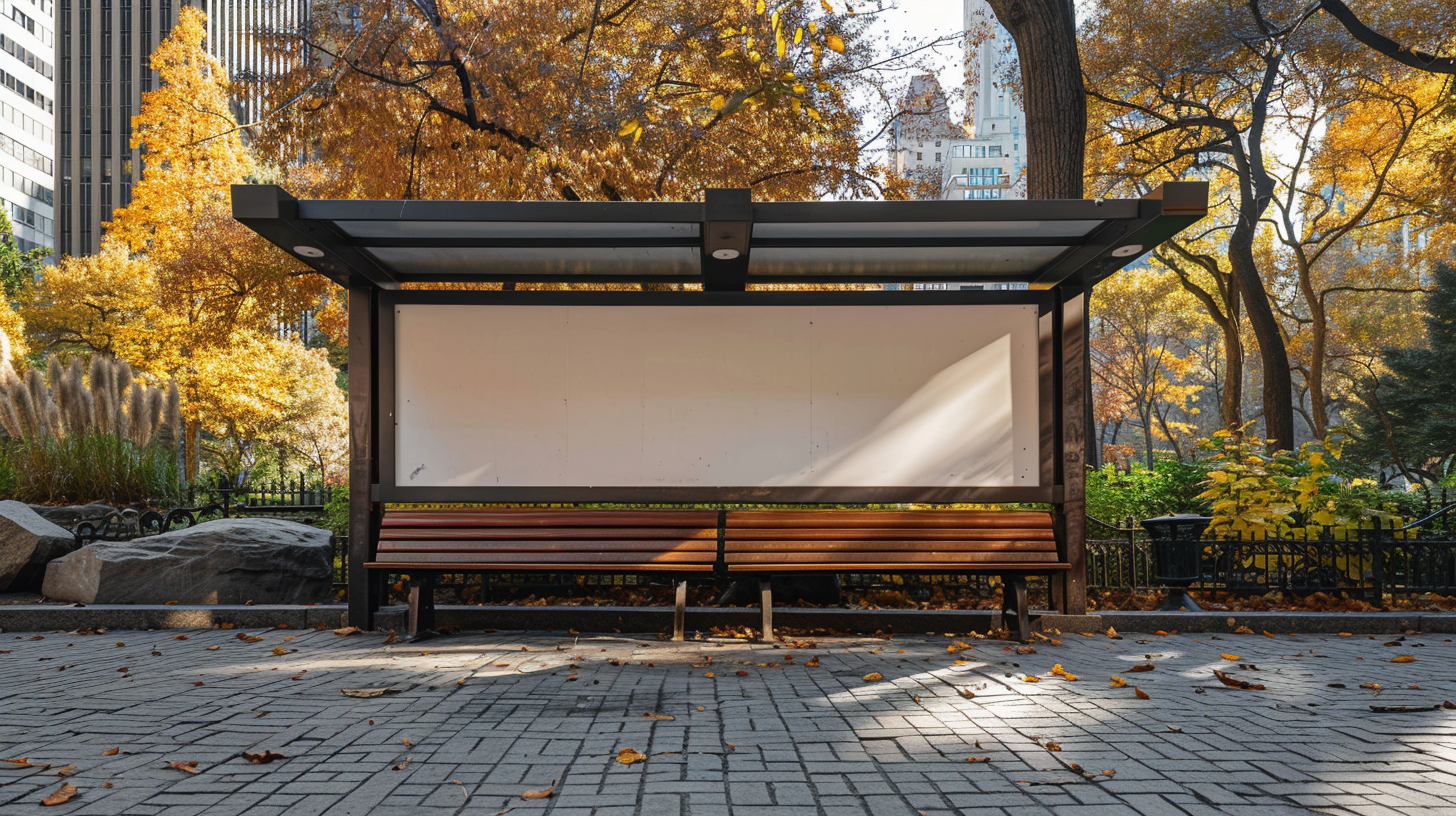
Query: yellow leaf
point(348, 630)
point(1403, 659)
point(541, 794)
point(718, 102)
point(813, 114)
point(630, 756)
point(780, 45)
point(650, 716)
point(826, 6)
point(61, 795)
point(628, 127)
point(798, 35)
point(1117, 682)
point(189, 767)
point(1031, 679)
point(761, 6)
point(1230, 657)
point(873, 677)
point(834, 43)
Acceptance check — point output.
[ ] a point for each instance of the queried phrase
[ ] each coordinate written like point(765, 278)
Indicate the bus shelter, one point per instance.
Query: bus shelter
point(717, 368)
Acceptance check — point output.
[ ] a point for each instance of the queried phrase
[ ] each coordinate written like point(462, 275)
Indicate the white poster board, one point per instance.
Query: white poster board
point(716, 396)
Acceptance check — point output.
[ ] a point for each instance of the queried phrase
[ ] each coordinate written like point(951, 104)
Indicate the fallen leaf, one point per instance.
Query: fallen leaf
point(407, 743)
point(709, 674)
point(105, 784)
point(741, 673)
point(966, 693)
point(541, 794)
point(1231, 657)
point(1141, 695)
point(179, 637)
point(1117, 682)
point(263, 758)
point(630, 756)
point(392, 639)
point(348, 630)
point(650, 716)
point(196, 682)
point(66, 771)
point(1175, 729)
point(401, 766)
point(280, 651)
point(1031, 679)
point(247, 638)
point(1025, 650)
point(1112, 633)
point(1054, 642)
point(189, 767)
point(1063, 673)
point(1345, 634)
point(1161, 632)
point(1109, 773)
point(213, 648)
point(1403, 659)
point(1234, 682)
point(112, 752)
point(1268, 634)
point(1371, 686)
point(119, 643)
point(978, 759)
point(873, 677)
point(299, 676)
point(813, 662)
point(1052, 746)
point(61, 795)
point(23, 762)
point(1142, 667)
point(375, 692)
point(1243, 630)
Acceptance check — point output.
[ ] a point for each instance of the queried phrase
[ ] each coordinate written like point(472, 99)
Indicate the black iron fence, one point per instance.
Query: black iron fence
point(1376, 558)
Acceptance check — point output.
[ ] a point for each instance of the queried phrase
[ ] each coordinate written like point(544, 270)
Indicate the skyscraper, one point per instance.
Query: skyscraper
point(27, 116)
point(991, 162)
point(920, 136)
point(104, 49)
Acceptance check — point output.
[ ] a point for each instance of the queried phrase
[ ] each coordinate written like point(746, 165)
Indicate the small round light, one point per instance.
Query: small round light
point(308, 251)
point(725, 254)
point(1128, 250)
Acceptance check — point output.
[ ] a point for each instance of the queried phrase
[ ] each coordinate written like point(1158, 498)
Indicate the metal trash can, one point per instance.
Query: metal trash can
point(1177, 556)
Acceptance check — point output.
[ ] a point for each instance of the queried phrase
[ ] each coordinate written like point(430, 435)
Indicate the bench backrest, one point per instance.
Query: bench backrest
point(568, 540)
point(866, 540)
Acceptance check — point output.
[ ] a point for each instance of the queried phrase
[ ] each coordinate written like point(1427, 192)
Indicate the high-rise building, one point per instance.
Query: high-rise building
point(920, 136)
point(27, 118)
point(991, 163)
point(104, 49)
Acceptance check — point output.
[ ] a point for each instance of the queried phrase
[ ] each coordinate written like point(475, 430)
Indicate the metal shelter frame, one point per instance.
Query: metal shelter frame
point(726, 250)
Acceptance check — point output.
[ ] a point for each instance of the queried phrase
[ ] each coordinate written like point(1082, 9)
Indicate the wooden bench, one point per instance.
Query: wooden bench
point(764, 543)
point(426, 543)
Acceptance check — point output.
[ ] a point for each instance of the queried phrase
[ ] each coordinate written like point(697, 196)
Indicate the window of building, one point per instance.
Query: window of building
point(919, 157)
point(937, 158)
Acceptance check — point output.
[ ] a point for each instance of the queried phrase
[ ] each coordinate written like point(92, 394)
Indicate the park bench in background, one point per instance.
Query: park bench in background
point(427, 543)
point(764, 543)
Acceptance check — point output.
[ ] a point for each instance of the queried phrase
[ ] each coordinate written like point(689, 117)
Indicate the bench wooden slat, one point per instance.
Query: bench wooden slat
point(550, 518)
point(890, 567)
point(951, 560)
point(741, 519)
point(584, 547)
point(837, 535)
point(549, 533)
point(616, 559)
point(888, 546)
point(534, 566)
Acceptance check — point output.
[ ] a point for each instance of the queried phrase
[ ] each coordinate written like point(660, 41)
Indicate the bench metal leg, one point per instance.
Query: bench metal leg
point(421, 608)
point(680, 611)
point(765, 601)
point(1013, 601)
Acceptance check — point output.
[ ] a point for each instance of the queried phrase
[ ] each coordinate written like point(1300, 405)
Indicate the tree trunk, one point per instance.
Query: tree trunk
point(1045, 32)
point(1319, 416)
point(192, 462)
point(1231, 402)
point(1278, 381)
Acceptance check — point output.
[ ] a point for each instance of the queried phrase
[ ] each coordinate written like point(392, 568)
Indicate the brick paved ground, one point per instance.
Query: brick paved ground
point(481, 718)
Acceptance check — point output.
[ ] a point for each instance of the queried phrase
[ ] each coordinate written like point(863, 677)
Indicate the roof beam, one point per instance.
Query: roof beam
point(727, 235)
point(271, 212)
point(1160, 215)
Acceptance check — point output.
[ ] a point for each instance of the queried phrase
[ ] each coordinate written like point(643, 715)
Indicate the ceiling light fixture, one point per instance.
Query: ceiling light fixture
point(1128, 250)
point(308, 251)
point(725, 254)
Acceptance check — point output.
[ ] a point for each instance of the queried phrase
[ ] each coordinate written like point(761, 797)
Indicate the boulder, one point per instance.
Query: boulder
point(72, 515)
point(27, 543)
point(228, 561)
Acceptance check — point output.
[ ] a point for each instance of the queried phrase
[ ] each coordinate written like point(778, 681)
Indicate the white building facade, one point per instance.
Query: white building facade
point(990, 162)
point(921, 135)
point(27, 121)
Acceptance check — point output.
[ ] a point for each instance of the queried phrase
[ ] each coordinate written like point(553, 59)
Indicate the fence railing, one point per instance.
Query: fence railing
point(1378, 558)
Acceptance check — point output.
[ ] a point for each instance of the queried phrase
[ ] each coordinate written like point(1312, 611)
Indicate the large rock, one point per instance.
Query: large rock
point(72, 515)
point(228, 561)
point(27, 543)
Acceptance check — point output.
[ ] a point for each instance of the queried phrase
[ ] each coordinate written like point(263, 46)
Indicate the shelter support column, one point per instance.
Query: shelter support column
point(1069, 589)
point(365, 589)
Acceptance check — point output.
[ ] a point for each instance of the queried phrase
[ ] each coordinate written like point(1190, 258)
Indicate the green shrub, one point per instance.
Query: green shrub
point(336, 512)
point(88, 467)
point(1170, 487)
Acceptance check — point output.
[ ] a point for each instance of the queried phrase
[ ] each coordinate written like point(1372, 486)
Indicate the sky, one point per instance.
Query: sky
point(920, 21)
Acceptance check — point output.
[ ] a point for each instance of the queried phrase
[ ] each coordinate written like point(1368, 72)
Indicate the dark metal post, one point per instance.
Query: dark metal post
point(363, 514)
point(1070, 322)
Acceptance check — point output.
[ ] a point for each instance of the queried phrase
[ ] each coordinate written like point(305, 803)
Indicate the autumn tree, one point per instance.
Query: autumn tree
point(1143, 329)
point(179, 285)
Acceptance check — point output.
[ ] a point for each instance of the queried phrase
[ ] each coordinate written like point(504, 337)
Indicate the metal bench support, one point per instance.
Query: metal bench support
point(765, 595)
point(1013, 602)
point(680, 611)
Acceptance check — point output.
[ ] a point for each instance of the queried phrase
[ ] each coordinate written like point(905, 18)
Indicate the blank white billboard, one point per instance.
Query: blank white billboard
point(716, 396)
